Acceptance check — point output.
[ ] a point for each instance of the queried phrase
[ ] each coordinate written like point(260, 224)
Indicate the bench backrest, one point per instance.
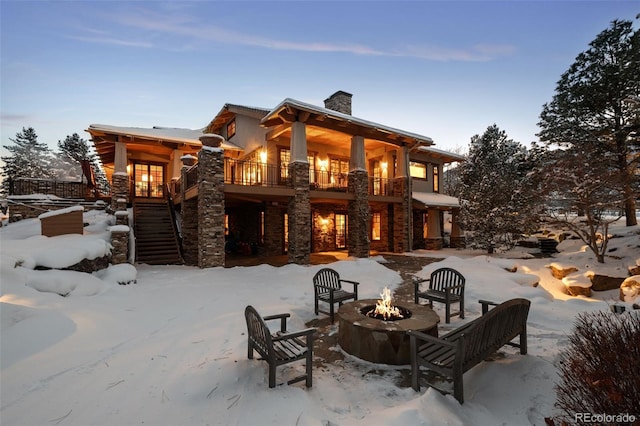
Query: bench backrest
point(445, 277)
point(258, 332)
point(327, 277)
point(493, 330)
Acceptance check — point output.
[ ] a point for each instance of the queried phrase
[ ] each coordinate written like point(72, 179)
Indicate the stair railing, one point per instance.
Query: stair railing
point(174, 220)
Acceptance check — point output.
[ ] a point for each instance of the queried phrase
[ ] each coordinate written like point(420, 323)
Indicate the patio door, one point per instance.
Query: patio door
point(148, 180)
point(341, 231)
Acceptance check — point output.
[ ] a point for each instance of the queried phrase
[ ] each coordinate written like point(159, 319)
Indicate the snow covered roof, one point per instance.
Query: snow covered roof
point(433, 199)
point(445, 155)
point(327, 117)
point(228, 111)
point(172, 134)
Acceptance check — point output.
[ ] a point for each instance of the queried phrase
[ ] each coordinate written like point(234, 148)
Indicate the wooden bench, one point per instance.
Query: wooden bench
point(327, 286)
point(461, 349)
point(446, 286)
point(280, 348)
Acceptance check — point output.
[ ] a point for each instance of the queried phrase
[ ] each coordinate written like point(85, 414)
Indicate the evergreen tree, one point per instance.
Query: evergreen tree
point(74, 151)
point(596, 103)
point(581, 195)
point(29, 159)
point(497, 198)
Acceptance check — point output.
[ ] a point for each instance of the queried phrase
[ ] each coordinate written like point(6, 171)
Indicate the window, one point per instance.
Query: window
point(284, 157)
point(231, 128)
point(425, 225)
point(417, 170)
point(436, 181)
point(286, 232)
point(375, 227)
point(338, 172)
point(341, 230)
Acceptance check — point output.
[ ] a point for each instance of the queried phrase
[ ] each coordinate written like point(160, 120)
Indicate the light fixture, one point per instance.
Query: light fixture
point(263, 156)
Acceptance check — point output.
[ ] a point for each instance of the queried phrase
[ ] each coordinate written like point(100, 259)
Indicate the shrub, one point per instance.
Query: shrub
point(600, 370)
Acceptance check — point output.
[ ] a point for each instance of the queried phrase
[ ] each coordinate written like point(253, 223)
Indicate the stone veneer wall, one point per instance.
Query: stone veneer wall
point(189, 228)
point(358, 214)
point(401, 217)
point(119, 188)
point(324, 228)
point(210, 213)
point(31, 210)
point(299, 215)
point(273, 229)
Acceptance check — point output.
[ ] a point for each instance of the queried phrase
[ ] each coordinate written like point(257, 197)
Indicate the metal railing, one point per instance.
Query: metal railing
point(62, 189)
point(252, 173)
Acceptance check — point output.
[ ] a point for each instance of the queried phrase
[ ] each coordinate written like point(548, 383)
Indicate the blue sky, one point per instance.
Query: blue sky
point(444, 69)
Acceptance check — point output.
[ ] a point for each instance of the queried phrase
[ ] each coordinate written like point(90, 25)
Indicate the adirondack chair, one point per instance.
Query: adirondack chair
point(280, 348)
point(328, 288)
point(446, 286)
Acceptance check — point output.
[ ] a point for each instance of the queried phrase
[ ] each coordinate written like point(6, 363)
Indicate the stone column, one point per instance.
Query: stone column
point(211, 207)
point(434, 230)
point(457, 236)
point(402, 212)
point(273, 229)
point(120, 244)
point(189, 214)
point(300, 215)
point(358, 242)
point(120, 178)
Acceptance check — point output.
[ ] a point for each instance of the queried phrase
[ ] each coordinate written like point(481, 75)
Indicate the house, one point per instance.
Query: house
point(294, 179)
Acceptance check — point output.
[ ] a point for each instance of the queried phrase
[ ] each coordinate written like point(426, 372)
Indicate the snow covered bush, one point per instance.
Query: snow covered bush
point(599, 371)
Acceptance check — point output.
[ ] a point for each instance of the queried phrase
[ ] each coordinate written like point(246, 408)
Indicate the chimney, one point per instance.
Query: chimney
point(339, 101)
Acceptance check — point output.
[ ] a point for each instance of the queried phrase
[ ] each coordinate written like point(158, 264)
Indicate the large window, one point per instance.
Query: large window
point(417, 170)
point(148, 180)
point(436, 181)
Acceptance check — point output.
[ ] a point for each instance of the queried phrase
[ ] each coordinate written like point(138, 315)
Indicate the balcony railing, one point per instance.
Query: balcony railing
point(251, 173)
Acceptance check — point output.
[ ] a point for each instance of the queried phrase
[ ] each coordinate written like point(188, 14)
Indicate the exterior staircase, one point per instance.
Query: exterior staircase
point(156, 238)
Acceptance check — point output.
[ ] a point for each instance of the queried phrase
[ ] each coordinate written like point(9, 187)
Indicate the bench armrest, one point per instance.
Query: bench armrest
point(485, 305)
point(306, 332)
point(429, 339)
point(281, 317)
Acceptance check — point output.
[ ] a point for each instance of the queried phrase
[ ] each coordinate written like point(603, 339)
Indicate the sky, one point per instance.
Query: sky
point(443, 69)
point(170, 346)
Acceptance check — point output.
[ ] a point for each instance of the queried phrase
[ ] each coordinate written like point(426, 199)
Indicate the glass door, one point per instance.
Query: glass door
point(148, 180)
point(341, 231)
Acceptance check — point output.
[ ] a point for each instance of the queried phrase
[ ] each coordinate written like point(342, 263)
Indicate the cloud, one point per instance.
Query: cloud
point(113, 41)
point(187, 26)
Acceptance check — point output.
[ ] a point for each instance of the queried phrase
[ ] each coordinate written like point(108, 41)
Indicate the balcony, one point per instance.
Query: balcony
point(251, 173)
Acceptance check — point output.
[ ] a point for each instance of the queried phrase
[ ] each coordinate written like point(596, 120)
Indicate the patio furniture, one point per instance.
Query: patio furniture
point(327, 286)
point(281, 347)
point(461, 349)
point(446, 286)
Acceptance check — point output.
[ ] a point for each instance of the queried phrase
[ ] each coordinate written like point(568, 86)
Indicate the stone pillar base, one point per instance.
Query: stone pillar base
point(433, 243)
point(457, 242)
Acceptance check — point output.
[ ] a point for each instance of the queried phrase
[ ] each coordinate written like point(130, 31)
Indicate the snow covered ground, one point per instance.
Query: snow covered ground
point(171, 348)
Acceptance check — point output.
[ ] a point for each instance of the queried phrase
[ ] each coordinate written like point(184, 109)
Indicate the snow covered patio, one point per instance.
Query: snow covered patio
point(171, 348)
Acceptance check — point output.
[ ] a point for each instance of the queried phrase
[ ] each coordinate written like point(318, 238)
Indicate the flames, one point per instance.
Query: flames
point(384, 308)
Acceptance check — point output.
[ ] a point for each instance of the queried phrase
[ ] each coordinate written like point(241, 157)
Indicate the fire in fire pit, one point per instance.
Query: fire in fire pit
point(383, 310)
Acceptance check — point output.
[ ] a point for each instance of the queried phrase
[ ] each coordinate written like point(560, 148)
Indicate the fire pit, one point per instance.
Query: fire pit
point(379, 340)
